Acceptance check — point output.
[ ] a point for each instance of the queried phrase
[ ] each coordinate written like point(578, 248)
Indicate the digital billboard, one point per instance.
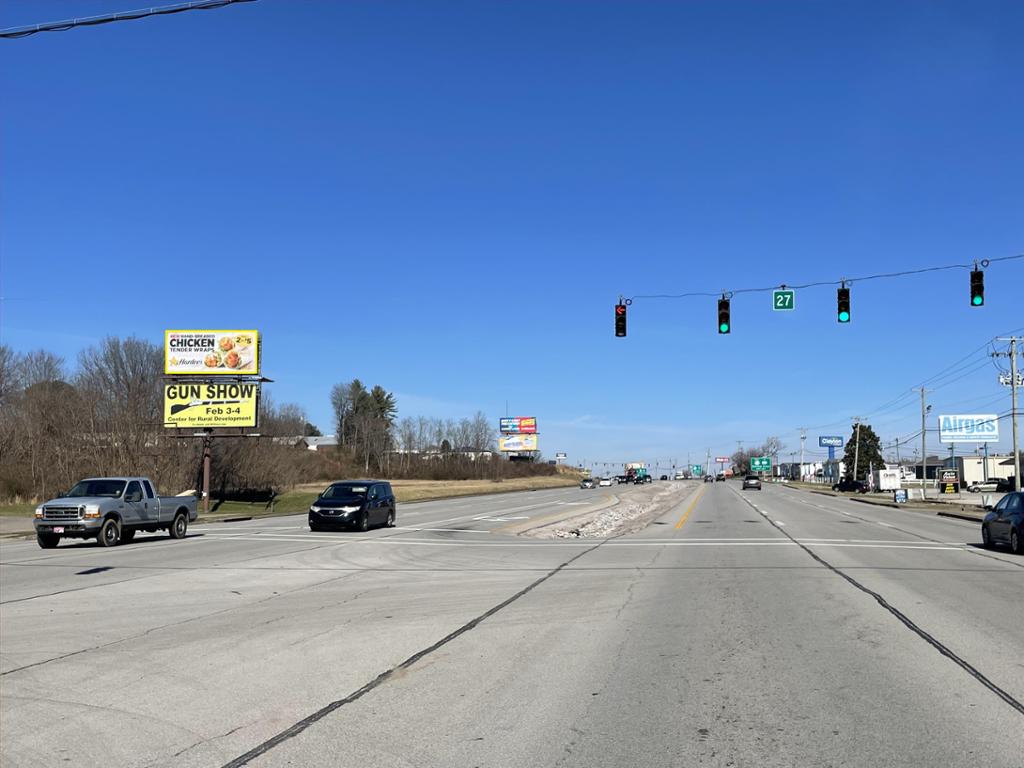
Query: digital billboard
point(518, 425)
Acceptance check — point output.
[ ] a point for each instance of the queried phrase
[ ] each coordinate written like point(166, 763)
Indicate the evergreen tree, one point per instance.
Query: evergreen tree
point(869, 455)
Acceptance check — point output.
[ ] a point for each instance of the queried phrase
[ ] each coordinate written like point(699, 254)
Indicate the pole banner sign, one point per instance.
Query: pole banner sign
point(969, 428)
point(212, 353)
point(210, 405)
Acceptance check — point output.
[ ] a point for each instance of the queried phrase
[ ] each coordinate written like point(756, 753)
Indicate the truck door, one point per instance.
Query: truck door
point(150, 503)
point(134, 501)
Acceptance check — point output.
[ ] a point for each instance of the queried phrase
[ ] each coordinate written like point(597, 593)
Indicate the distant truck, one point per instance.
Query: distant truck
point(886, 479)
point(112, 510)
point(636, 470)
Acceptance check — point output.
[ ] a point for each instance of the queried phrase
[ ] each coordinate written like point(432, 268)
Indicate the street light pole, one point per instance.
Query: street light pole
point(1013, 412)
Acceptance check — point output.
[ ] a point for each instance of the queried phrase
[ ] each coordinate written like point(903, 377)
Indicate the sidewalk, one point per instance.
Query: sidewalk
point(962, 508)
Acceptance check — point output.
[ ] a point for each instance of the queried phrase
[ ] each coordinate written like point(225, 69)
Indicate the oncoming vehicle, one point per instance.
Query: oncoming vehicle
point(753, 482)
point(1004, 524)
point(709, 479)
point(605, 482)
point(663, 477)
point(720, 477)
point(355, 504)
point(586, 482)
point(112, 510)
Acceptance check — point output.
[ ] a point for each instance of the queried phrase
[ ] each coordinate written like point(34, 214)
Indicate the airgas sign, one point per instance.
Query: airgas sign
point(971, 428)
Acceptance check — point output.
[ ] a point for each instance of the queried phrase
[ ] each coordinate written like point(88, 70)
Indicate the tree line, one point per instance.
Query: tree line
point(103, 415)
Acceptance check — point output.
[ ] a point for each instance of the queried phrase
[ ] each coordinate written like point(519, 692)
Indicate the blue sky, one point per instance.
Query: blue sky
point(447, 198)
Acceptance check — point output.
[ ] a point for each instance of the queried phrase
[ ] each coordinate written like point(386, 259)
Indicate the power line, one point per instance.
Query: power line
point(13, 33)
point(841, 281)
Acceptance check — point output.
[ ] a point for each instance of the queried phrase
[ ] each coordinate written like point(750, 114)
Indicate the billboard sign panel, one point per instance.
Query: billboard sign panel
point(949, 481)
point(518, 425)
point(722, 459)
point(211, 405)
point(830, 441)
point(212, 353)
point(969, 428)
point(510, 443)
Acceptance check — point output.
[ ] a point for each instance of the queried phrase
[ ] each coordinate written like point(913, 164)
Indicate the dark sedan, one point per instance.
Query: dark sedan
point(1005, 523)
point(353, 504)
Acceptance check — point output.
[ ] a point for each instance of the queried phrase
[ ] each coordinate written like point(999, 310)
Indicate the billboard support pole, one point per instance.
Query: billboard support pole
point(207, 440)
point(924, 451)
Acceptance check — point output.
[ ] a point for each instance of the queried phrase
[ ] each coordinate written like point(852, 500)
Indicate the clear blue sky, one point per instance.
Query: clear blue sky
point(446, 198)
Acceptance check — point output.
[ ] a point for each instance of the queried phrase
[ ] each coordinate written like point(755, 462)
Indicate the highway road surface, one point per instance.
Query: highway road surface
point(780, 628)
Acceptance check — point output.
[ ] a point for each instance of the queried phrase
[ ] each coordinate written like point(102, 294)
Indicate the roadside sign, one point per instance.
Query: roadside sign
point(900, 496)
point(830, 441)
point(783, 300)
point(518, 425)
point(969, 428)
point(722, 459)
point(211, 405)
point(560, 456)
point(212, 353)
point(949, 481)
point(696, 469)
point(761, 464)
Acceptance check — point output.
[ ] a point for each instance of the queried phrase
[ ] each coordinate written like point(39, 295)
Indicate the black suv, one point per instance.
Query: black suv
point(848, 485)
point(353, 504)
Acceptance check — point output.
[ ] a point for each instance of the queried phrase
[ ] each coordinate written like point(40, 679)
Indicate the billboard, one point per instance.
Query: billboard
point(212, 353)
point(722, 459)
point(518, 425)
point(970, 428)
point(211, 405)
point(517, 443)
point(830, 441)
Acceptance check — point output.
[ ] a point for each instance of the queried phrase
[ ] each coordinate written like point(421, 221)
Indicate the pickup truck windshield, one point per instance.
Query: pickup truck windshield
point(88, 488)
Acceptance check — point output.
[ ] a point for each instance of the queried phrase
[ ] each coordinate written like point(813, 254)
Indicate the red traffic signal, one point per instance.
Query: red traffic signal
point(620, 319)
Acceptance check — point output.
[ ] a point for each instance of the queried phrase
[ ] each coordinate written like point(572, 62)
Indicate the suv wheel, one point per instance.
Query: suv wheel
point(391, 519)
point(364, 522)
point(110, 533)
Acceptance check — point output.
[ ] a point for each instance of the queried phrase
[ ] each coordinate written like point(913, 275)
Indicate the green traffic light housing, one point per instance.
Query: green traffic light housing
point(843, 305)
point(724, 324)
point(977, 288)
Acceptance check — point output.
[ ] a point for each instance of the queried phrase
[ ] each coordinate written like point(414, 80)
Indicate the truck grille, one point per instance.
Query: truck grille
point(60, 513)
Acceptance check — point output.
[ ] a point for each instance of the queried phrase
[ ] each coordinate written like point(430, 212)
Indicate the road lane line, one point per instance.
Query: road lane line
point(693, 504)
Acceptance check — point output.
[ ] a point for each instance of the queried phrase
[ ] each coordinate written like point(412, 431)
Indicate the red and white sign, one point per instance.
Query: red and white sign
point(722, 459)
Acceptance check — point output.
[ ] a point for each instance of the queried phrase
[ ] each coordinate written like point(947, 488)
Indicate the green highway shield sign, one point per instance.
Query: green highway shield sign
point(696, 469)
point(783, 300)
point(761, 464)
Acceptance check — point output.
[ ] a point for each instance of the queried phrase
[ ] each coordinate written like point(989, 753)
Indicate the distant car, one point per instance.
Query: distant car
point(846, 485)
point(1004, 524)
point(664, 477)
point(355, 504)
point(752, 482)
point(985, 486)
point(720, 477)
point(604, 482)
point(586, 482)
point(709, 479)
point(679, 476)
point(620, 479)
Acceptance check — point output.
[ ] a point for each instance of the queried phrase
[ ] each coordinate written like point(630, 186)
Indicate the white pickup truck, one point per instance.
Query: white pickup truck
point(112, 510)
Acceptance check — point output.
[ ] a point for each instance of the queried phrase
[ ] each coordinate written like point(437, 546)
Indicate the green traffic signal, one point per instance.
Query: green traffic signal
point(843, 305)
point(724, 324)
point(977, 288)
point(723, 328)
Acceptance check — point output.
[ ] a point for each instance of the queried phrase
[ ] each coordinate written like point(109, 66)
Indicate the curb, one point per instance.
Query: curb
point(960, 516)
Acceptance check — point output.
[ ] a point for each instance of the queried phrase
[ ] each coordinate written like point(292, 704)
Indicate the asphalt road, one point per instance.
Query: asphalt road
point(779, 628)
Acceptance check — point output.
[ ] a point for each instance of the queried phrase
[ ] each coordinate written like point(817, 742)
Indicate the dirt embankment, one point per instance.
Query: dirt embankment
point(627, 509)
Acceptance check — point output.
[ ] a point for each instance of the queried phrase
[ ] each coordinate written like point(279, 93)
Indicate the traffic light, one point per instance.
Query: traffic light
point(843, 305)
point(977, 288)
point(620, 319)
point(724, 324)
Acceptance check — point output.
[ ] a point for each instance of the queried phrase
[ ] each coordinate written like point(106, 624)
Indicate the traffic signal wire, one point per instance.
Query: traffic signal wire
point(14, 33)
point(845, 281)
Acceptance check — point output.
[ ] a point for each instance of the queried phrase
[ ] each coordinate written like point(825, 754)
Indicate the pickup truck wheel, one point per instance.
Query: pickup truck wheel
point(127, 536)
point(179, 526)
point(48, 540)
point(110, 533)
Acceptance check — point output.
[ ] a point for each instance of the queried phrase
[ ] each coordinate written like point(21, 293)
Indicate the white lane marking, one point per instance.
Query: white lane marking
point(503, 519)
point(780, 523)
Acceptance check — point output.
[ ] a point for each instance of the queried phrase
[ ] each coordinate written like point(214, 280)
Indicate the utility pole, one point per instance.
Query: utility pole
point(856, 447)
point(1012, 354)
point(803, 438)
point(924, 450)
